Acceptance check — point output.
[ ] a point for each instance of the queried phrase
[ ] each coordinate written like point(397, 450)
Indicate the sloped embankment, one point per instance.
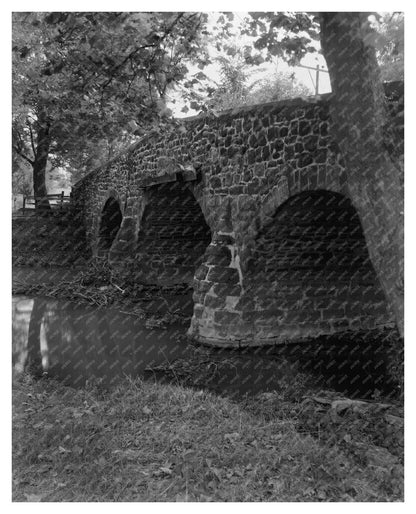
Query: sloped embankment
point(56, 239)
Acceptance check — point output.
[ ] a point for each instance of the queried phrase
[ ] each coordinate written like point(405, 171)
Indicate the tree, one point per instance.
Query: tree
point(21, 183)
point(280, 86)
point(389, 45)
point(86, 80)
point(235, 90)
point(359, 117)
point(359, 121)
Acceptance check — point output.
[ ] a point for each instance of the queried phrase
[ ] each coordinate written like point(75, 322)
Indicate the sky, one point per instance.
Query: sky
point(304, 76)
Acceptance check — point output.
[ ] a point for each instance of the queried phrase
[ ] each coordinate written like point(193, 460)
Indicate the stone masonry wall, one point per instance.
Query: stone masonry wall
point(310, 274)
point(240, 167)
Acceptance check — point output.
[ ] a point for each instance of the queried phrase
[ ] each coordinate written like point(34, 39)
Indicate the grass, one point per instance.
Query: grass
point(55, 239)
point(144, 441)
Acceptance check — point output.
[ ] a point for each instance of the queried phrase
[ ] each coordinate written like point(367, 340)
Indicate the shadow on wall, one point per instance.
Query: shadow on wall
point(111, 218)
point(311, 272)
point(173, 235)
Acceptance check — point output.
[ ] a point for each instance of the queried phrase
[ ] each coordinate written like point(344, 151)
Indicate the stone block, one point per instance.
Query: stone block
point(198, 297)
point(266, 153)
point(215, 182)
point(225, 318)
point(214, 302)
point(272, 133)
point(304, 160)
point(245, 303)
point(227, 289)
point(201, 272)
point(222, 239)
point(289, 152)
point(305, 127)
point(202, 285)
point(223, 275)
point(236, 190)
point(261, 139)
point(344, 324)
point(252, 141)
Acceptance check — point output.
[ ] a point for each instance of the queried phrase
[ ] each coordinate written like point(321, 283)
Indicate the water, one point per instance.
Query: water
point(76, 344)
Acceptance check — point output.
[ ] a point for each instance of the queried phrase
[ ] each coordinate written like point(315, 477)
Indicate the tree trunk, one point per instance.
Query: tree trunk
point(40, 162)
point(375, 175)
point(34, 357)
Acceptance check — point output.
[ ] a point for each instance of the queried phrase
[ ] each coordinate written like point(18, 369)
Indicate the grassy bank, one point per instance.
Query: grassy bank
point(143, 441)
point(54, 239)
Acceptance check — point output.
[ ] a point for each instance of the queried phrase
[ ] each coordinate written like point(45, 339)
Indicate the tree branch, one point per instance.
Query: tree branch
point(134, 52)
point(19, 152)
point(123, 62)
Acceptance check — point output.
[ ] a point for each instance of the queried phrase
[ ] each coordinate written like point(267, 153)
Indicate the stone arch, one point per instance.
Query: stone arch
point(173, 234)
point(110, 222)
point(310, 271)
point(328, 177)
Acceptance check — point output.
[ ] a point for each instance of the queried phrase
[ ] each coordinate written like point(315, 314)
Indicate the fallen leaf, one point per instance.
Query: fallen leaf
point(321, 494)
point(33, 497)
point(216, 472)
point(77, 449)
point(101, 461)
point(232, 437)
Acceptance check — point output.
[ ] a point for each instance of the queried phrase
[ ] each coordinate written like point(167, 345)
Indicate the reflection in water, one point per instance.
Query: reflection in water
point(21, 308)
point(30, 327)
point(37, 346)
point(77, 343)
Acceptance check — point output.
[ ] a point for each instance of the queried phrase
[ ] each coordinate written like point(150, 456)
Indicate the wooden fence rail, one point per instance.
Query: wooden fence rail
point(56, 201)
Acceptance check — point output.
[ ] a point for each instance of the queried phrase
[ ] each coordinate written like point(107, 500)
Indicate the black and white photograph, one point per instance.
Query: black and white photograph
point(207, 253)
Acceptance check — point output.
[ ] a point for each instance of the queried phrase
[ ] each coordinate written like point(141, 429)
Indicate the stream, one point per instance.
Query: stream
point(78, 344)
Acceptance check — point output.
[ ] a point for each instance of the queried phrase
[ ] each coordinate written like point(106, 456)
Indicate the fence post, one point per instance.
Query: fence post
point(62, 200)
point(317, 81)
point(24, 205)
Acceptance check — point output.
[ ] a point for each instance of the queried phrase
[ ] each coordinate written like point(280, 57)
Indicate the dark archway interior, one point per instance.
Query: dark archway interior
point(173, 236)
point(110, 224)
point(311, 263)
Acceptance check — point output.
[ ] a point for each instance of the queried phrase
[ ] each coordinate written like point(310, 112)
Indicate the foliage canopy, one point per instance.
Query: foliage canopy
point(96, 79)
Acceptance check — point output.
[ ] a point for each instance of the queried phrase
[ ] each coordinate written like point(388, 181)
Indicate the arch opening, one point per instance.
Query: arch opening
point(173, 235)
point(111, 219)
point(311, 273)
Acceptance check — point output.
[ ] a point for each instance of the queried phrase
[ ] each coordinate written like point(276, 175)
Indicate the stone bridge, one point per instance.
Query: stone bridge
point(254, 209)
